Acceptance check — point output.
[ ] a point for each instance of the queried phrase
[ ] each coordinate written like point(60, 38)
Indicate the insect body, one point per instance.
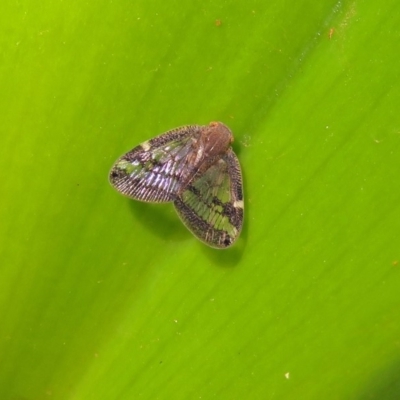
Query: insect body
point(195, 168)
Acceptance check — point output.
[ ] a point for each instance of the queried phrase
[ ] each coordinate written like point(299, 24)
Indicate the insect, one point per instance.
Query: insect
point(195, 168)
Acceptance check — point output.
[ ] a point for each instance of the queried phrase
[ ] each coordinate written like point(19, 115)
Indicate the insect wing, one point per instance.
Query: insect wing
point(211, 206)
point(156, 170)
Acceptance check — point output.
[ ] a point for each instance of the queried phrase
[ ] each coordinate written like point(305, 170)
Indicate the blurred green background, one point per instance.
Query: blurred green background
point(106, 298)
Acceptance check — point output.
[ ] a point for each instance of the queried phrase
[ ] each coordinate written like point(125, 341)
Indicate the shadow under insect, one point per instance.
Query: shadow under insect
point(228, 258)
point(160, 219)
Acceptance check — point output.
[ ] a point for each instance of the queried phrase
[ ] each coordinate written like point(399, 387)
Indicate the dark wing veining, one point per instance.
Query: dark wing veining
point(156, 171)
point(211, 205)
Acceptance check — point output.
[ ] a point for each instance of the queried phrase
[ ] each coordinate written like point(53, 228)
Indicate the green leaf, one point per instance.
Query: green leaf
point(106, 298)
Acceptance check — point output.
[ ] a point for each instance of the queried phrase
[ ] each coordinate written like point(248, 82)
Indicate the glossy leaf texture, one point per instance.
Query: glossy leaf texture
point(102, 297)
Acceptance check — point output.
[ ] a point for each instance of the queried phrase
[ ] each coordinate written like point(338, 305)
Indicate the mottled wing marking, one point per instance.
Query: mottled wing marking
point(211, 205)
point(156, 170)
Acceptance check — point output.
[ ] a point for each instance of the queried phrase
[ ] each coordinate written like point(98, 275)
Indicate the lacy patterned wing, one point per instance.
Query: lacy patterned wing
point(211, 206)
point(156, 170)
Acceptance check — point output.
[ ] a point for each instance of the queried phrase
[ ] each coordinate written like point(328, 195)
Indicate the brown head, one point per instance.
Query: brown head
point(217, 138)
